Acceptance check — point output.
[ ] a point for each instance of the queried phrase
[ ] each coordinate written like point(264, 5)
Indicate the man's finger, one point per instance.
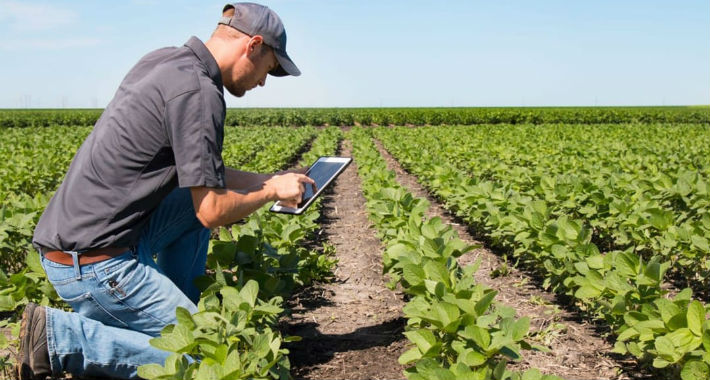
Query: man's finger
point(307, 179)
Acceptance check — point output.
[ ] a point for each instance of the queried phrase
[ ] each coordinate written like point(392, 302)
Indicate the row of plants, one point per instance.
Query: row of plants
point(457, 329)
point(623, 287)
point(395, 116)
point(252, 266)
point(641, 187)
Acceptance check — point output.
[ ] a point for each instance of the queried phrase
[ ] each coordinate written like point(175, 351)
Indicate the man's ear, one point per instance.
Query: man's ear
point(254, 44)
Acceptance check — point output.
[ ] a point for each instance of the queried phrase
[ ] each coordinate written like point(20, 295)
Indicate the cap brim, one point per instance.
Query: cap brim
point(286, 65)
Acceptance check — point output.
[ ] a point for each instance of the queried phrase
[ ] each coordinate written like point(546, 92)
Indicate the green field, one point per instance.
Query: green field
point(609, 207)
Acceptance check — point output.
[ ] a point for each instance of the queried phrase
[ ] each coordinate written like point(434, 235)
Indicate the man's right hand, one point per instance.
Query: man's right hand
point(288, 188)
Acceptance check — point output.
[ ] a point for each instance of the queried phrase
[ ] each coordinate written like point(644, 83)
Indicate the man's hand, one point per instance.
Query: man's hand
point(288, 188)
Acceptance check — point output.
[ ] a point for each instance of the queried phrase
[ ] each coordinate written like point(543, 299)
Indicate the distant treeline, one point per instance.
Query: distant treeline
point(394, 116)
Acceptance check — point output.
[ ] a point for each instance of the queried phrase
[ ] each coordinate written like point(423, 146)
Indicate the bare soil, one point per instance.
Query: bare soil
point(577, 348)
point(352, 327)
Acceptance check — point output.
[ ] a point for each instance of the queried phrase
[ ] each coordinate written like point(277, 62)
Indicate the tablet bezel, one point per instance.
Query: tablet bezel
point(344, 161)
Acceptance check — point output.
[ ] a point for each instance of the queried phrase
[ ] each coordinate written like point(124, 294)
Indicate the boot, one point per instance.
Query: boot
point(34, 356)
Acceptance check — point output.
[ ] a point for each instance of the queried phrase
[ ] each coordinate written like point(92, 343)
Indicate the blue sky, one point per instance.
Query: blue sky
point(380, 53)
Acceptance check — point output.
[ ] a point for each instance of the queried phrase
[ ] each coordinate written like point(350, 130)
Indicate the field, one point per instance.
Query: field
point(462, 243)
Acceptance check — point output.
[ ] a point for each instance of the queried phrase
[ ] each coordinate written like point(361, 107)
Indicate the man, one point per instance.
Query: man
point(149, 180)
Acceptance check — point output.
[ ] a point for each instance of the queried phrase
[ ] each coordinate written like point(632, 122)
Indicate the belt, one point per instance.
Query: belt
point(87, 257)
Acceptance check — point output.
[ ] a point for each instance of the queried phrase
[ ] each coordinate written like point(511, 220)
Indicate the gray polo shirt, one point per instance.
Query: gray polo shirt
point(164, 128)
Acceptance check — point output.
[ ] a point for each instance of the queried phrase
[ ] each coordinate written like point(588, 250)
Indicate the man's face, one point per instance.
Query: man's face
point(251, 70)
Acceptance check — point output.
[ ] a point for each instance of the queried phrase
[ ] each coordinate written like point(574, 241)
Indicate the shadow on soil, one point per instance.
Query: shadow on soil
point(317, 348)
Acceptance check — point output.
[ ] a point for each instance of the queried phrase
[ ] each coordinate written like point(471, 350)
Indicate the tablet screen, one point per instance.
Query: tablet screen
point(323, 171)
point(320, 172)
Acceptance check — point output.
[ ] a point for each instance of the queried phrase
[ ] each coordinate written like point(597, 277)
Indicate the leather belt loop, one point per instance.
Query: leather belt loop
point(78, 258)
point(75, 260)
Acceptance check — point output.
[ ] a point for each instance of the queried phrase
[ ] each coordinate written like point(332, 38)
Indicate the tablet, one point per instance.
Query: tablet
point(323, 172)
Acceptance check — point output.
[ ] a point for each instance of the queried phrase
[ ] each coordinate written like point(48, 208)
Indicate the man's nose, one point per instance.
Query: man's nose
point(262, 82)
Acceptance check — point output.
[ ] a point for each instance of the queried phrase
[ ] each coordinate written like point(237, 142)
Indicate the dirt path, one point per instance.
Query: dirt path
point(577, 350)
point(351, 328)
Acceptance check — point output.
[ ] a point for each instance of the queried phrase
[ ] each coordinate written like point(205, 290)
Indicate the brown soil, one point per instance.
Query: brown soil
point(351, 328)
point(577, 349)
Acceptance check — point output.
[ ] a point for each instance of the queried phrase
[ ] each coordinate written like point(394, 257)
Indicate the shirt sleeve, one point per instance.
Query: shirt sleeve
point(195, 128)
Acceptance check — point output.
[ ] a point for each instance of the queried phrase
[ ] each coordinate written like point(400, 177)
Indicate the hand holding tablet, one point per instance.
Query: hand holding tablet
point(323, 172)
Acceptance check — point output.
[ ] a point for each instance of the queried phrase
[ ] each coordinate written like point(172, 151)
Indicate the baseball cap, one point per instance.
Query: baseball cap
point(256, 19)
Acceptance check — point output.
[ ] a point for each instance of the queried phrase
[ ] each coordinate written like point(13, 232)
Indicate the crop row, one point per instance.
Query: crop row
point(624, 287)
point(457, 330)
point(395, 116)
point(645, 188)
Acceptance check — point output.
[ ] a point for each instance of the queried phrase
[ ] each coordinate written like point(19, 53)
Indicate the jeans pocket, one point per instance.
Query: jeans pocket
point(121, 279)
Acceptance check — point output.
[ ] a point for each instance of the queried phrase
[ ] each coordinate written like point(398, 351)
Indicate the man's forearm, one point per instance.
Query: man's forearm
point(217, 207)
point(238, 180)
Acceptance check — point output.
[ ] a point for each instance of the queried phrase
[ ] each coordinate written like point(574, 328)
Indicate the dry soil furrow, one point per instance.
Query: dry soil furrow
point(577, 350)
point(351, 328)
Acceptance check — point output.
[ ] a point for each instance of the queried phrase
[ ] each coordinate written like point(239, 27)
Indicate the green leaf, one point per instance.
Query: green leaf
point(586, 292)
point(437, 272)
point(150, 371)
point(700, 243)
point(478, 335)
point(33, 262)
point(569, 229)
point(695, 370)
point(448, 314)
point(661, 363)
point(224, 234)
point(472, 358)
point(413, 274)
point(499, 370)
point(207, 371)
point(249, 292)
point(666, 349)
point(520, 328)
point(248, 244)
point(184, 317)
point(180, 339)
point(485, 301)
point(667, 308)
point(435, 288)
point(532, 374)
point(696, 317)
point(595, 262)
point(660, 219)
point(628, 264)
point(7, 303)
point(410, 356)
point(423, 338)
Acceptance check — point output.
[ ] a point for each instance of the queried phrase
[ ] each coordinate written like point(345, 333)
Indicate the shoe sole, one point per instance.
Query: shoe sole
point(25, 372)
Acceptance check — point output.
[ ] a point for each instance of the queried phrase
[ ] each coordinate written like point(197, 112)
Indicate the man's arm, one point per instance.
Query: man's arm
point(217, 207)
point(238, 180)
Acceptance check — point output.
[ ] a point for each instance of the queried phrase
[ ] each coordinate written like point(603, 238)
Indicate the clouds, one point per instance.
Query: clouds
point(39, 26)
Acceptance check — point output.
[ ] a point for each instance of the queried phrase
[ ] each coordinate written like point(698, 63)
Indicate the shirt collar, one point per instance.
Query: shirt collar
point(204, 55)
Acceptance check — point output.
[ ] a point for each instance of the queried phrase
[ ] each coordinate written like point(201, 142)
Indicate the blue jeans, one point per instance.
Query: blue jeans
point(121, 303)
